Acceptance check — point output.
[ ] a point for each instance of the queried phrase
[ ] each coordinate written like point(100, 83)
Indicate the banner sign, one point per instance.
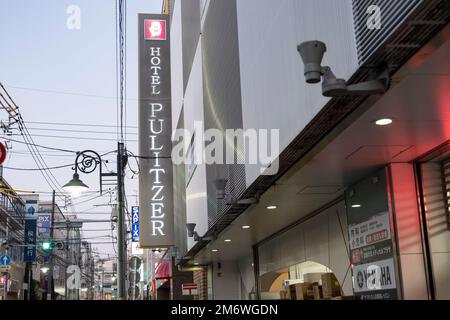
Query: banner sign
point(135, 224)
point(31, 208)
point(155, 133)
point(29, 252)
point(44, 224)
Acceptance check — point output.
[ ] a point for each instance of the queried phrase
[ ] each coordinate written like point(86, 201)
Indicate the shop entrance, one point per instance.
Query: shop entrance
point(302, 281)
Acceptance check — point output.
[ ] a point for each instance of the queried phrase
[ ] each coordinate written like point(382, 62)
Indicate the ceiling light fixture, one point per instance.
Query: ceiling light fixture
point(384, 122)
point(356, 206)
point(245, 227)
point(227, 240)
point(272, 207)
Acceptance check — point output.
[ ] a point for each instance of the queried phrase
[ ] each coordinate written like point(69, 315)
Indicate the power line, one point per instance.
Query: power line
point(76, 131)
point(76, 138)
point(38, 169)
point(67, 93)
point(39, 146)
point(77, 124)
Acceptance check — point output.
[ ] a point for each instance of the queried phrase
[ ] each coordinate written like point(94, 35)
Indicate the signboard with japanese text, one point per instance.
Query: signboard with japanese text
point(29, 252)
point(371, 239)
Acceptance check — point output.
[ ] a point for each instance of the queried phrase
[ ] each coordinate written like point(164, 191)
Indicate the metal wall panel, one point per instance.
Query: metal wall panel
point(179, 203)
point(393, 13)
point(190, 21)
point(222, 94)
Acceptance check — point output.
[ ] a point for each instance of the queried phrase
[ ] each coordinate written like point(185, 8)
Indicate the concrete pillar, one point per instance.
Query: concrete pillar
point(408, 231)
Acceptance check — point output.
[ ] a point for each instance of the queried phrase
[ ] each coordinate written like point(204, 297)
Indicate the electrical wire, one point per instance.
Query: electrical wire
point(41, 146)
point(38, 169)
point(76, 131)
point(77, 124)
point(74, 138)
point(66, 93)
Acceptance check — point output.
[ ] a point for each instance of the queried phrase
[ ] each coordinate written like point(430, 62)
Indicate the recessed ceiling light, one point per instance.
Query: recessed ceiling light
point(383, 122)
point(272, 207)
point(356, 206)
point(196, 264)
point(215, 250)
point(245, 227)
point(227, 240)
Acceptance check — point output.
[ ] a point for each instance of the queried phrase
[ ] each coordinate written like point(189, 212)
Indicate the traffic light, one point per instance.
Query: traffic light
point(48, 245)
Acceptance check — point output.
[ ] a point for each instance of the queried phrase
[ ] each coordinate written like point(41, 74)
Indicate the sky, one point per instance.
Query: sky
point(58, 74)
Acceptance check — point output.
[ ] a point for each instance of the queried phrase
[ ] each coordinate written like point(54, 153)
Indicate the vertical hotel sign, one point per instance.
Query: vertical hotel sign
point(155, 129)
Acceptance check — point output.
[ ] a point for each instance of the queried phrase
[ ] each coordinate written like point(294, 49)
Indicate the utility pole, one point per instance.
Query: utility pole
point(121, 239)
point(7, 251)
point(51, 260)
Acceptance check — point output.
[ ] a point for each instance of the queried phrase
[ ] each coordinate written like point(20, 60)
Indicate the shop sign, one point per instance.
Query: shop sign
point(189, 289)
point(371, 240)
point(44, 224)
point(370, 232)
point(156, 229)
point(29, 252)
point(375, 280)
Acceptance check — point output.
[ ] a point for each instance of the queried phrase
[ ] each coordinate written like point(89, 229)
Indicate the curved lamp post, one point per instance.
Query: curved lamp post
point(87, 162)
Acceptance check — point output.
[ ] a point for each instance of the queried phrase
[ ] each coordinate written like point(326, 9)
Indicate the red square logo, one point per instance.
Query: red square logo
point(155, 29)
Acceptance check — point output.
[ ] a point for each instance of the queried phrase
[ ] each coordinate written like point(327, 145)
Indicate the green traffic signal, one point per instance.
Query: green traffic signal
point(47, 245)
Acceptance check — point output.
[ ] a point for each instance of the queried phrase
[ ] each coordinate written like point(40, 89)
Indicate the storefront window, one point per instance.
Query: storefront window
point(305, 256)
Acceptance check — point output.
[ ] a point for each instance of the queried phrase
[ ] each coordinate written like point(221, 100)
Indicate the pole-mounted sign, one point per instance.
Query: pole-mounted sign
point(155, 131)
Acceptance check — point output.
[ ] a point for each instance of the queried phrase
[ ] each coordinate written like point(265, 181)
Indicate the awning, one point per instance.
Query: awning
point(163, 270)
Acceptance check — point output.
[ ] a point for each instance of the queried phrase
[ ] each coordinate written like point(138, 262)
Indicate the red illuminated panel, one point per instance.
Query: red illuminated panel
point(377, 237)
point(155, 29)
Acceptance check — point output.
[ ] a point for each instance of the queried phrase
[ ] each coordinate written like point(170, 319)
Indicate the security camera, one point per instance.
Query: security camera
point(312, 53)
point(190, 229)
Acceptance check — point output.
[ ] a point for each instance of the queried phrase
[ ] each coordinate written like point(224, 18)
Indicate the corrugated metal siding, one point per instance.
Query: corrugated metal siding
point(222, 95)
point(393, 13)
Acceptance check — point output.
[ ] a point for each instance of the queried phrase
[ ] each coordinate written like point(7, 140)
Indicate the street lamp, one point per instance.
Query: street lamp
point(45, 269)
point(86, 161)
point(75, 186)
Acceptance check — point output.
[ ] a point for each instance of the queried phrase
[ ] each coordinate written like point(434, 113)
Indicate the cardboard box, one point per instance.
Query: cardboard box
point(330, 286)
point(304, 291)
point(290, 292)
point(318, 293)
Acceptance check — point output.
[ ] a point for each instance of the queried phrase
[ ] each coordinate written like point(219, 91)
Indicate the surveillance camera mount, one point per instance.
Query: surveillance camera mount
point(230, 200)
point(334, 87)
point(197, 238)
point(312, 53)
